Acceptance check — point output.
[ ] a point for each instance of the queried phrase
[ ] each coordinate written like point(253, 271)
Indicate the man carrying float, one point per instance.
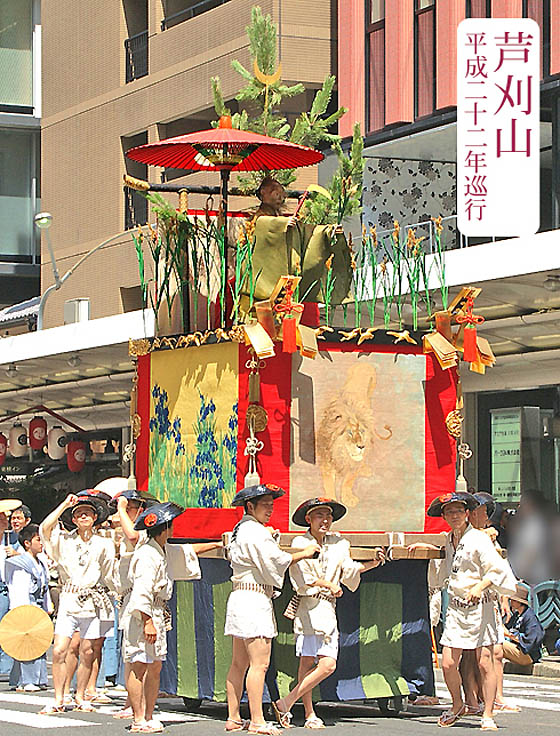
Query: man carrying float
point(258, 566)
point(317, 583)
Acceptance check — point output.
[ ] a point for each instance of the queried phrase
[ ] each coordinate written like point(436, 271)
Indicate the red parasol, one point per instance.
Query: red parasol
point(225, 149)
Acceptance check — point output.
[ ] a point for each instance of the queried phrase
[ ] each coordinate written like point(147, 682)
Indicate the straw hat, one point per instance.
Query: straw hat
point(251, 492)
point(338, 510)
point(9, 504)
point(26, 632)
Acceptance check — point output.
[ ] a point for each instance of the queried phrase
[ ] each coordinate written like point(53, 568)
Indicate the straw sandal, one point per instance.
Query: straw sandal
point(506, 708)
point(449, 718)
point(313, 722)
point(283, 717)
point(52, 709)
point(124, 714)
point(488, 724)
point(237, 725)
point(146, 727)
point(474, 710)
point(266, 729)
point(84, 707)
point(99, 698)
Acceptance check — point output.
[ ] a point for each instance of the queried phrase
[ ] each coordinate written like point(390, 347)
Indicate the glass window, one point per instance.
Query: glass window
point(479, 9)
point(18, 181)
point(177, 11)
point(16, 55)
point(376, 11)
point(422, 4)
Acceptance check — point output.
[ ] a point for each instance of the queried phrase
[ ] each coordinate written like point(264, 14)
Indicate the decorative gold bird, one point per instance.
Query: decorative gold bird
point(403, 336)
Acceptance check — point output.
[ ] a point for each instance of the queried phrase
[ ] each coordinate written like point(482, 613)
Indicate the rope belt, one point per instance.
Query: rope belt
point(122, 596)
point(167, 619)
point(267, 590)
point(461, 603)
point(293, 605)
point(98, 594)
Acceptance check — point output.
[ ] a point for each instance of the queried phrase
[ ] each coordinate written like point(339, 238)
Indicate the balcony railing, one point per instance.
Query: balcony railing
point(191, 12)
point(135, 209)
point(136, 51)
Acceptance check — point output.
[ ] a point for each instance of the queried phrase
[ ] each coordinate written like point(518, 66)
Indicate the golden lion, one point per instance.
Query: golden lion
point(345, 435)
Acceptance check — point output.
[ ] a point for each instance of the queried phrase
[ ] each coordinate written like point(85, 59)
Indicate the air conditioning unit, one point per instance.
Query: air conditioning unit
point(76, 310)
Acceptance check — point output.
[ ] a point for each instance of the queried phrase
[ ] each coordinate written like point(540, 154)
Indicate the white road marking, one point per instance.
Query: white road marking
point(531, 701)
point(34, 720)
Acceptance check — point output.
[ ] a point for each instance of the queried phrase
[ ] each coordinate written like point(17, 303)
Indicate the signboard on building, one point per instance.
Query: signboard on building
point(506, 454)
point(498, 126)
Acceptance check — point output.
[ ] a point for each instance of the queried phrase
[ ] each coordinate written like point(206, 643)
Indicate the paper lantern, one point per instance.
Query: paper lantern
point(76, 456)
point(17, 440)
point(37, 433)
point(3, 448)
point(56, 443)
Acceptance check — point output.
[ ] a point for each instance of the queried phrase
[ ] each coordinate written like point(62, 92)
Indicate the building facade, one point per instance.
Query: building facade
point(20, 121)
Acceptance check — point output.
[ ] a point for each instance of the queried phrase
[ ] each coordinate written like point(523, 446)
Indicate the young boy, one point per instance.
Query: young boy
point(147, 619)
point(27, 579)
point(317, 583)
point(524, 633)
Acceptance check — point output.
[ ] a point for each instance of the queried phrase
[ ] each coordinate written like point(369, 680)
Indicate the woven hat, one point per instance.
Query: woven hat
point(26, 632)
point(98, 502)
point(521, 594)
point(9, 504)
point(159, 514)
point(263, 489)
point(338, 510)
point(132, 495)
point(439, 503)
point(485, 499)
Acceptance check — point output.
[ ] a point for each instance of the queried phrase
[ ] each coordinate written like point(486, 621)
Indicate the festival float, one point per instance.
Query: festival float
point(290, 353)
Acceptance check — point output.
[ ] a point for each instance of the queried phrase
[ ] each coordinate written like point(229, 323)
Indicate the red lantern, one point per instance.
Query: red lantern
point(76, 456)
point(37, 433)
point(3, 448)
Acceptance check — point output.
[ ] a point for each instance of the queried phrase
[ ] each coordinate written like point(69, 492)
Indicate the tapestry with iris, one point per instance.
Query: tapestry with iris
point(193, 426)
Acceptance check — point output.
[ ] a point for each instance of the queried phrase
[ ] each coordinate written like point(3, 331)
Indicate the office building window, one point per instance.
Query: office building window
point(539, 11)
point(136, 45)
point(424, 57)
point(19, 194)
point(16, 56)
point(375, 49)
point(479, 9)
point(135, 204)
point(177, 11)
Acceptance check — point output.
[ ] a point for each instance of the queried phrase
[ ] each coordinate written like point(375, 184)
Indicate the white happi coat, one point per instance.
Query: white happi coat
point(123, 584)
point(317, 616)
point(472, 625)
point(256, 559)
point(83, 565)
point(152, 587)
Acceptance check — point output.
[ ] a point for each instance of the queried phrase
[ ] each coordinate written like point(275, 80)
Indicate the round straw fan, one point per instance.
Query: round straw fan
point(26, 632)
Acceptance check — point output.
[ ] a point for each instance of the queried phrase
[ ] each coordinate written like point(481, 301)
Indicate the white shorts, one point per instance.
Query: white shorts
point(90, 627)
point(314, 645)
point(144, 658)
point(250, 614)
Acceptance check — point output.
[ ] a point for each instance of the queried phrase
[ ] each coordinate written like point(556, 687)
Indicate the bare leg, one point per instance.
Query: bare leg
point(135, 687)
point(306, 665)
point(468, 670)
point(450, 667)
point(258, 650)
point(314, 674)
point(236, 677)
point(91, 688)
point(60, 649)
point(84, 668)
point(151, 689)
point(71, 662)
point(499, 668)
point(485, 657)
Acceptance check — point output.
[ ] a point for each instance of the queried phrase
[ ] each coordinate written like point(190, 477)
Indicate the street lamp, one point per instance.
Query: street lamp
point(43, 220)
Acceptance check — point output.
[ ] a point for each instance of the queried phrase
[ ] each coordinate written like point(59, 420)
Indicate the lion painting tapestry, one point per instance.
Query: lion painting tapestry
point(359, 436)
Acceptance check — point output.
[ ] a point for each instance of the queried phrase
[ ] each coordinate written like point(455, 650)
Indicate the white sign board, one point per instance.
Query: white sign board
point(498, 126)
point(506, 454)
